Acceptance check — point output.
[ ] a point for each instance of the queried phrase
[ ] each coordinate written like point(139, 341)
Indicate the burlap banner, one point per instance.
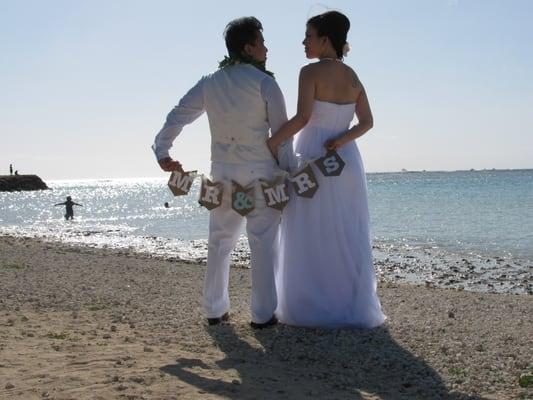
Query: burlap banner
point(304, 182)
point(242, 199)
point(210, 193)
point(275, 192)
point(180, 182)
point(331, 164)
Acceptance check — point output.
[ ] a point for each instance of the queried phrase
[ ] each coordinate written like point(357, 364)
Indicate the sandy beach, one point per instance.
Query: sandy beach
point(83, 323)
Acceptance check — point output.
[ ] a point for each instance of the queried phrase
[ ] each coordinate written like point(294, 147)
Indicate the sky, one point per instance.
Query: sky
point(86, 85)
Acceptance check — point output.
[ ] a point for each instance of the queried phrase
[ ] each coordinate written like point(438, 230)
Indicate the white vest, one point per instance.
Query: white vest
point(236, 111)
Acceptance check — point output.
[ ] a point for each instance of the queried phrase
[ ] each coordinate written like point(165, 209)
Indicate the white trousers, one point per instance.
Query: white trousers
point(262, 228)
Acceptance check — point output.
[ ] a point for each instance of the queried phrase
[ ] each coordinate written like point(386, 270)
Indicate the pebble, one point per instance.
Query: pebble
point(137, 379)
point(10, 386)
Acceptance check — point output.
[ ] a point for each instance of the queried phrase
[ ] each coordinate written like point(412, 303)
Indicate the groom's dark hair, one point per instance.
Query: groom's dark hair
point(240, 32)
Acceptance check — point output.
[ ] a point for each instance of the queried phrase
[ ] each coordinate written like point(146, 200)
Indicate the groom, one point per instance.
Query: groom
point(243, 104)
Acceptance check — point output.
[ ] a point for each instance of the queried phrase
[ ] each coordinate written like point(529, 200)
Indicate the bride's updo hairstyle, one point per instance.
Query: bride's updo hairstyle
point(335, 26)
point(240, 32)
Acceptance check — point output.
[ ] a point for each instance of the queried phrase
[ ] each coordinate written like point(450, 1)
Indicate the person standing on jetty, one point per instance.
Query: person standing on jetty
point(69, 213)
point(10, 169)
point(243, 103)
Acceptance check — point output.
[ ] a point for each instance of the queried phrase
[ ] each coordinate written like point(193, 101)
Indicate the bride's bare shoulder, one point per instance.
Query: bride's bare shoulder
point(317, 70)
point(309, 71)
point(311, 67)
point(312, 64)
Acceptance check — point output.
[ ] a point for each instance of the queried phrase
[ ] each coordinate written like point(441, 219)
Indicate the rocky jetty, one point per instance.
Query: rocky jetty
point(11, 183)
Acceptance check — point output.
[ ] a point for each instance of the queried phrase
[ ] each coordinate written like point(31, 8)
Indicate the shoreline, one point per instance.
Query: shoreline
point(420, 264)
point(79, 322)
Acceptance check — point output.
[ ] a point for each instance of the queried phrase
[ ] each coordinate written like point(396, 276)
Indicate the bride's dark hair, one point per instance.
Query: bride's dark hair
point(335, 26)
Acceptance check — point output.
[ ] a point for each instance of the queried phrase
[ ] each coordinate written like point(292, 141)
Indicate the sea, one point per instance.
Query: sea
point(470, 230)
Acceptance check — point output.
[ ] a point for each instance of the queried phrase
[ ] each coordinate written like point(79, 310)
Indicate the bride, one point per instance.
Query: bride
point(326, 276)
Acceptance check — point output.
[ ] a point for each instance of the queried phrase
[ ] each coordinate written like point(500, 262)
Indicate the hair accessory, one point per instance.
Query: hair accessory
point(345, 49)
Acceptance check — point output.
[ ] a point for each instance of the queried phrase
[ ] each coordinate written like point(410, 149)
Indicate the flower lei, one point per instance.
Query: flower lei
point(228, 62)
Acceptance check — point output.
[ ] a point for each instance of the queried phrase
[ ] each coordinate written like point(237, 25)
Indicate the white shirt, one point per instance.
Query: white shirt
point(193, 105)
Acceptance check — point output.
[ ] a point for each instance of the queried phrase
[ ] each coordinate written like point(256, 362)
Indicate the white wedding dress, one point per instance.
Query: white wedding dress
point(326, 276)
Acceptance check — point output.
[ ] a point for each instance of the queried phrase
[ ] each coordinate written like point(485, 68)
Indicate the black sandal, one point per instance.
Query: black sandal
point(216, 321)
point(271, 322)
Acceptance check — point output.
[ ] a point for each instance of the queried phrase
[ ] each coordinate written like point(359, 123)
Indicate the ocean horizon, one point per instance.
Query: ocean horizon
point(403, 170)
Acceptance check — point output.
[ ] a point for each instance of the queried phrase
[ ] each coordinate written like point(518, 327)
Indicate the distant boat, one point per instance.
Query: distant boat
point(404, 170)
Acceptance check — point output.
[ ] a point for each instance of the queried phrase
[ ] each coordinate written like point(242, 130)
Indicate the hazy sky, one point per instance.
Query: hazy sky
point(86, 85)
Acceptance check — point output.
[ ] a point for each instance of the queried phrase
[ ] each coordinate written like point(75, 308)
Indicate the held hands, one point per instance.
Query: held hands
point(169, 165)
point(273, 147)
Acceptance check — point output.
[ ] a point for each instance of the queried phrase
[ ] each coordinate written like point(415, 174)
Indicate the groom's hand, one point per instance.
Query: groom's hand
point(169, 165)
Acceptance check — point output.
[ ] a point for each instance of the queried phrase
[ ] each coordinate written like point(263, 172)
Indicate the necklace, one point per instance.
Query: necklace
point(329, 59)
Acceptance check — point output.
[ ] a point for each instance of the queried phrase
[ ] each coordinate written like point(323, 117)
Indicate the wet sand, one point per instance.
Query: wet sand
point(83, 323)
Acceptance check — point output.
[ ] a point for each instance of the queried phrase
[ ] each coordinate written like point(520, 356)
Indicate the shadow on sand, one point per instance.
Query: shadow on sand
point(290, 363)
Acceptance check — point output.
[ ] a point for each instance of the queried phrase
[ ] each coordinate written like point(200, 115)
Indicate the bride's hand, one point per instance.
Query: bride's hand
point(273, 147)
point(333, 144)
